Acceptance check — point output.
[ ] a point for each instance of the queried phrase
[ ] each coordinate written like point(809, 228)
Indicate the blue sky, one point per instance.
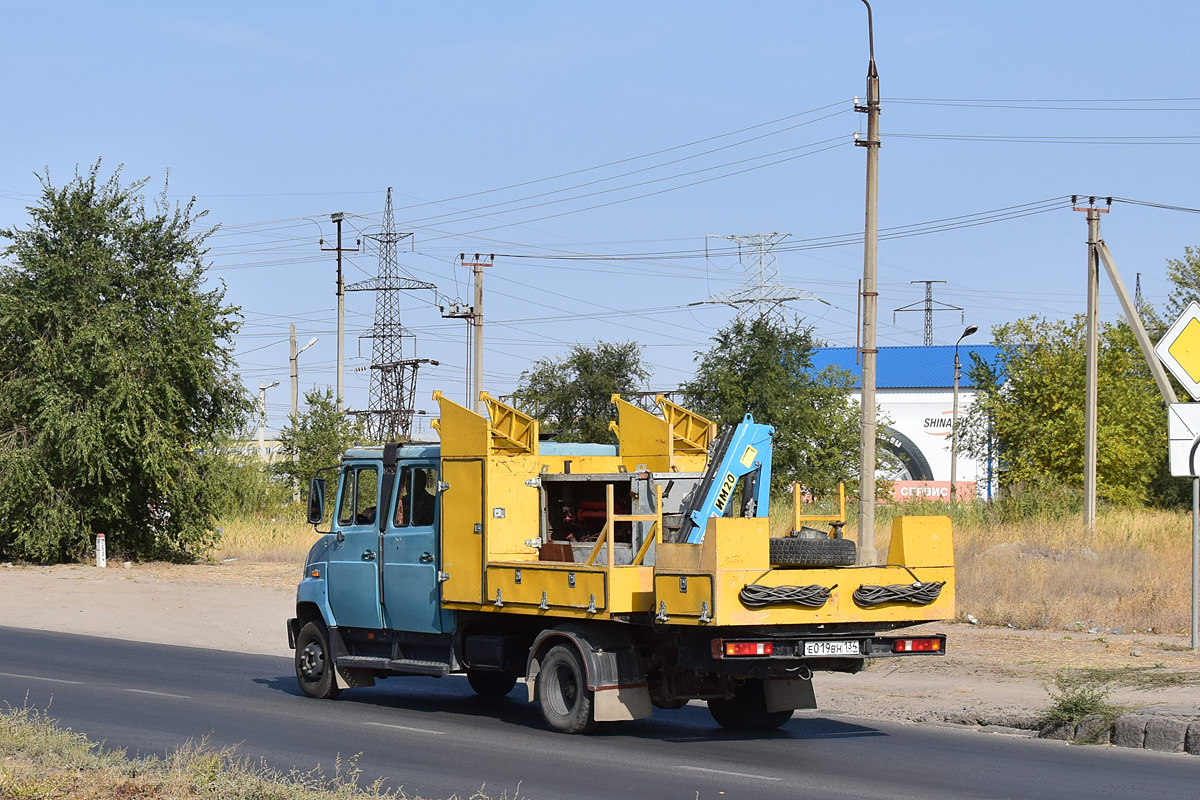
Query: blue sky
point(275, 114)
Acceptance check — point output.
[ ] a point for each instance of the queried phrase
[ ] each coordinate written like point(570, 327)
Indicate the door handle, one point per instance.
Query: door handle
point(426, 558)
point(369, 555)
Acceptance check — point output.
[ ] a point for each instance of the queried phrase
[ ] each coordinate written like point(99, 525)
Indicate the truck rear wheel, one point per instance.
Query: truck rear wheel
point(801, 552)
point(490, 684)
point(563, 693)
point(314, 662)
point(747, 710)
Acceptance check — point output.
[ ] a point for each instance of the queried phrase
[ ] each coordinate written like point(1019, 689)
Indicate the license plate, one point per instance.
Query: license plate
point(846, 648)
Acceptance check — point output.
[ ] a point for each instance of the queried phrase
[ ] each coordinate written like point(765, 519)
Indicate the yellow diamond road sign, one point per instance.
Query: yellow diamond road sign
point(1179, 349)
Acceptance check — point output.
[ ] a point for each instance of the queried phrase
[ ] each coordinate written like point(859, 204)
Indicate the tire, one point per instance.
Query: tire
point(490, 684)
point(747, 710)
point(800, 552)
point(567, 703)
point(314, 662)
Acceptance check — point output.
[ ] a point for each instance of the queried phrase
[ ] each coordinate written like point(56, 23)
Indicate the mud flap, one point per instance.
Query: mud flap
point(353, 678)
point(619, 703)
point(788, 694)
point(347, 678)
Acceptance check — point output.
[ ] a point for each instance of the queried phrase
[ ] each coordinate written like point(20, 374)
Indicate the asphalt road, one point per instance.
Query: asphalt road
point(436, 738)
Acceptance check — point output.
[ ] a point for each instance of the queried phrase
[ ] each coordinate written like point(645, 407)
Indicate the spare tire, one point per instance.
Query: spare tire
point(802, 552)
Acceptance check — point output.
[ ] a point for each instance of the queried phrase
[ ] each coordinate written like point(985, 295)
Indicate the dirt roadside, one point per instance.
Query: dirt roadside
point(988, 676)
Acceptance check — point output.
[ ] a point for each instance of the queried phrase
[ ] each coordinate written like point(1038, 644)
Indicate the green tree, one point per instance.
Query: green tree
point(1184, 274)
point(1032, 406)
point(244, 483)
point(765, 369)
point(572, 395)
point(117, 376)
point(316, 437)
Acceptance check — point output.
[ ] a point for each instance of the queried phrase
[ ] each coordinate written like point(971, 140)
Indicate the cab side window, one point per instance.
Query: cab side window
point(346, 502)
point(403, 507)
point(424, 496)
point(360, 492)
point(366, 496)
point(417, 502)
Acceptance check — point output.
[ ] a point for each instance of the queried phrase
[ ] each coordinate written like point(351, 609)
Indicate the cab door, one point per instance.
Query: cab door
point(411, 597)
point(353, 572)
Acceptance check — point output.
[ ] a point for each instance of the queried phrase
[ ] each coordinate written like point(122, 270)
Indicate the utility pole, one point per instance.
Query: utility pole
point(477, 325)
point(1092, 364)
point(869, 300)
point(337, 218)
point(460, 310)
point(262, 417)
point(293, 362)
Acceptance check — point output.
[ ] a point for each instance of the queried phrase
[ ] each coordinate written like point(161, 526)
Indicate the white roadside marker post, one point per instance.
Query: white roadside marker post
point(101, 555)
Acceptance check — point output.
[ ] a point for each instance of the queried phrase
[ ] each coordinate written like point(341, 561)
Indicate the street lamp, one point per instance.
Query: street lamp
point(262, 417)
point(954, 418)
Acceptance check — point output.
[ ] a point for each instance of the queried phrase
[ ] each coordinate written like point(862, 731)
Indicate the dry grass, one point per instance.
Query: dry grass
point(40, 759)
point(283, 537)
point(1131, 573)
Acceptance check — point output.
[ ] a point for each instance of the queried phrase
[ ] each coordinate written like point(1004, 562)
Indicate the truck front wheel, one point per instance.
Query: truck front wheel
point(747, 710)
point(563, 693)
point(314, 662)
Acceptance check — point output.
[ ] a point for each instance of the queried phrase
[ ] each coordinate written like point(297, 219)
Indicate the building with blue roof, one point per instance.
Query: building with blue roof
point(909, 367)
point(914, 392)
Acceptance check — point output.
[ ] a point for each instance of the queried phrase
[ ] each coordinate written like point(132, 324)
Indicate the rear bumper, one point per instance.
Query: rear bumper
point(842, 653)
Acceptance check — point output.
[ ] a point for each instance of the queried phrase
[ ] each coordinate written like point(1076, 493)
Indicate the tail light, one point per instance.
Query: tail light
point(749, 648)
point(922, 645)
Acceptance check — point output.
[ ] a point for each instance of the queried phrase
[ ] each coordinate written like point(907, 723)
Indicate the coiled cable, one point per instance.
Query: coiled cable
point(916, 593)
point(811, 596)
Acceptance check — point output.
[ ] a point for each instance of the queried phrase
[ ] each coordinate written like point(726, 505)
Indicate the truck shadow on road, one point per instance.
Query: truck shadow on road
point(432, 697)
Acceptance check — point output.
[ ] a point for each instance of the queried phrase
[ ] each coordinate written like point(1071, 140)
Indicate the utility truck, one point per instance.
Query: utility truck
point(613, 579)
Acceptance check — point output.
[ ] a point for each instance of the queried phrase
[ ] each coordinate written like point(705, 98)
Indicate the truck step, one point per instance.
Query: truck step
point(405, 666)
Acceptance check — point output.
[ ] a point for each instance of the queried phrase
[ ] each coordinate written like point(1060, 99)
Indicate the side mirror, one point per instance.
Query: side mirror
point(316, 501)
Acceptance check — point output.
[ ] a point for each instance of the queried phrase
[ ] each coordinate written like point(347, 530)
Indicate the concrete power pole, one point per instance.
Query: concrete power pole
point(1092, 362)
point(262, 417)
point(337, 218)
point(477, 326)
point(870, 295)
point(293, 363)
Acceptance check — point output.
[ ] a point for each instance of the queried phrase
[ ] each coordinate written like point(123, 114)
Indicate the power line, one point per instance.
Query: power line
point(449, 216)
point(1155, 205)
point(1095, 140)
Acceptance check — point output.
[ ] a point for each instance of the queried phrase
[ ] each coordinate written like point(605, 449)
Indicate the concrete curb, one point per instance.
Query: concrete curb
point(1167, 729)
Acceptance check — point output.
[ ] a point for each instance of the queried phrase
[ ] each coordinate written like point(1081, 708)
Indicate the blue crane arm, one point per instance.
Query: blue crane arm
point(747, 452)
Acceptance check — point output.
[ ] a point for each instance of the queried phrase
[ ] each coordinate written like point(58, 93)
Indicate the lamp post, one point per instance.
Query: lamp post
point(262, 417)
point(954, 418)
point(295, 373)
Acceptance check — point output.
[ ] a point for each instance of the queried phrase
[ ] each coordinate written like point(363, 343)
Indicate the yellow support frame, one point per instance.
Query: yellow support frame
point(606, 535)
point(798, 519)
